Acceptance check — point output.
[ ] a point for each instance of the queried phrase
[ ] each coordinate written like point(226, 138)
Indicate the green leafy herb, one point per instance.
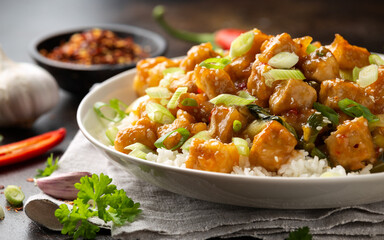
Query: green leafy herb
point(327, 112)
point(300, 234)
point(109, 204)
point(354, 109)
point(264, 114)
point(51, 166)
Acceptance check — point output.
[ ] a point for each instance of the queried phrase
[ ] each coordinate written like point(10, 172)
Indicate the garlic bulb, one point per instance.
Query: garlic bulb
point(26, 92)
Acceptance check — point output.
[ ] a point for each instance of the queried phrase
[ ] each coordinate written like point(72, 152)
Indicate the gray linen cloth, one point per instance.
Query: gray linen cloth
point(166, 215)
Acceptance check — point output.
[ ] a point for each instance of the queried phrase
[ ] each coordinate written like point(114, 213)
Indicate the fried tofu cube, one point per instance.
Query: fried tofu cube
point(348, 56)
point(351, 145)
point(272, 147)
point(212, 155)
point(292, 94)
point(196, 55)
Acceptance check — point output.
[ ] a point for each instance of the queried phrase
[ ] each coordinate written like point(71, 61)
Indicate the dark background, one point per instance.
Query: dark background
point(360, 22)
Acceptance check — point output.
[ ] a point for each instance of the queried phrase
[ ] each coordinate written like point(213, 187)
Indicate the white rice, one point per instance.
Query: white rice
point(301, 165)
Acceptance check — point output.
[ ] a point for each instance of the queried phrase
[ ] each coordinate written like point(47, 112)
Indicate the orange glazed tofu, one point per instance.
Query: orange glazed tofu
point(212, 155)
point(351, 145)
point(272, 147)
point(196, 55)
point(347, 55)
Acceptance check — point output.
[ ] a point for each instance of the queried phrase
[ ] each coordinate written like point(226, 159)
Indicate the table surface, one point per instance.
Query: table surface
point(360, 22)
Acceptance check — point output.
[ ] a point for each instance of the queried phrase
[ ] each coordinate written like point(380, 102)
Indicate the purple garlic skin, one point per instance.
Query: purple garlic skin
point(61, 186)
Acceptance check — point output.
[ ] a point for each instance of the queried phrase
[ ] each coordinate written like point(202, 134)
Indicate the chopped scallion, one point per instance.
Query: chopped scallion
point(354, 109)
point(173, 102)
point(230, 100)
point(139, 146)
point(114, 111)
point(311, 48)
point(282, 74)
point(236, 125)
point(246, 95)
point(376, 59)
point(159, 113)
point(327, 112)
point(283, 60)
point(184, 137)
point(216, 63)
point(189, 102)
point(241, 145)
point(368, 75)
point(200, 135)
point(111, 133)
point(138, 153)
point(346, 74)
point(355, 73)
point(242, 44)
point(158, 92)
point(172, 70)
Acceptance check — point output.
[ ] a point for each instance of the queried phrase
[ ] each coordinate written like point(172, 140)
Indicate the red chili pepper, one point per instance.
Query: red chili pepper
point(222, 38)
point(30, 147)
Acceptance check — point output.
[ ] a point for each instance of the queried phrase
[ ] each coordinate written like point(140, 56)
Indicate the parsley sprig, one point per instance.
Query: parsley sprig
point(51, 166)
point(96, 198)
point(300, 234)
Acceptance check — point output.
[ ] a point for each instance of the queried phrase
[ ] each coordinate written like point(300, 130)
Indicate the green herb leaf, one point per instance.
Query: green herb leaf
point(110, 205)
point(51, 166)
point(354, 109)
point(327, 112)
point(300, 234)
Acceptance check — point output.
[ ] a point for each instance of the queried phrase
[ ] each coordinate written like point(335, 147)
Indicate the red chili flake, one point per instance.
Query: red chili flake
point(97, 46)
point(2, 186)
point(30, 180)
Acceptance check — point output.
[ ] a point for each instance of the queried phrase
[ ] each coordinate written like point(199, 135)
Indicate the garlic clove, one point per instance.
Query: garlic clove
point(61, 186)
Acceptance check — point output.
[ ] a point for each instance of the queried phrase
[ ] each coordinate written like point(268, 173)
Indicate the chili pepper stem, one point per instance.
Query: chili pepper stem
point(158, 14)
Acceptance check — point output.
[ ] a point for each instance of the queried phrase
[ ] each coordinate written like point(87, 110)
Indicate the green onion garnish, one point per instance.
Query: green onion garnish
point(355, 73)
point(172, 70)
point(376, 59)
point(189, 102)
point(138, 153)
point(368, 75)
point(236, 125)
point(200, 135)
point(283, 60)
point(216, 63)
point(311, 48)
point(354, 109)
point(173, 102)
point(241, 145)
point(158, 92)
point(346, 74)
point(184, 137)
point(230, 100)
point(317, 152)
point(139, 150)
point(111, 133)
point(241, 45)
point(114, 111)
point(282, 74)
point(159, 113)
point(327, 112)
point(246, 95)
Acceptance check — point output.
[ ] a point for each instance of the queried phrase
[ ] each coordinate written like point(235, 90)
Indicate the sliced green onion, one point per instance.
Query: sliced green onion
point(200, 135)
point(189, 102)
point(327, 112)
point(241, 45)
point(138, 146)
point(284, 60)
point(355, 73)
point(164, 101)
point(241, 145)
point(311, 48)
point(159, 113)
point(317, 152)
point(236, 125)
point(14, 195)
point(216, 63)
point(184, 137)
point(354, 109)
point(111, 133)
point(173, 102)
point(246, 95)
point(138, 153)
point(376, 59)
point(282, 74)
point(114, 111)
point(230, 100)
point(254, 128)
point(158, 92)
point(346, 74)
point(368, 75)
point(172, 70)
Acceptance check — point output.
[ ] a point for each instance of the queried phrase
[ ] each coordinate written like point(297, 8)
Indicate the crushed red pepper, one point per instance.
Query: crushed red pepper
point(97, 46)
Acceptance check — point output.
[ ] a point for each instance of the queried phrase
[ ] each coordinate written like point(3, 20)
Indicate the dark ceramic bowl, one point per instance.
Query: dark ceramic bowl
point(77, 78)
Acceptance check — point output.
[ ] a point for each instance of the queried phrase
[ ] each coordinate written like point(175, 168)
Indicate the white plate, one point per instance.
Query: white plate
point(265, 192)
